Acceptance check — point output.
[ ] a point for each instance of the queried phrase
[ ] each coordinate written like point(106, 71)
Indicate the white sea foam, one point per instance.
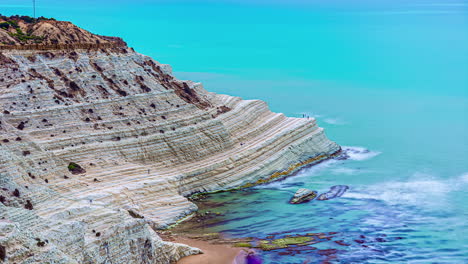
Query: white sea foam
point(416, 193)
point(423, 190)
point(344, 170)
point(464, 177)
point(359, 153)
point(334, 121)
point(353, 153)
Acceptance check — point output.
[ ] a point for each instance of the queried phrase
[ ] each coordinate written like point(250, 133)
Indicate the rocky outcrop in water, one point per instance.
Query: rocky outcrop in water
point(101, 145)
point(334, 192)
point(303, 195)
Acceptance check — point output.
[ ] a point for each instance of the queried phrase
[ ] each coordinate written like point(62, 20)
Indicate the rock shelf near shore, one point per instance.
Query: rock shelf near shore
point(101, 145)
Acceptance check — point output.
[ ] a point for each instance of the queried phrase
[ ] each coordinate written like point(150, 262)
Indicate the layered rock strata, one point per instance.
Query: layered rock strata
point(142, 139)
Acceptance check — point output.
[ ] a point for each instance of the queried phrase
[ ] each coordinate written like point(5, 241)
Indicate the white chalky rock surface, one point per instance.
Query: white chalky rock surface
point(145, 140)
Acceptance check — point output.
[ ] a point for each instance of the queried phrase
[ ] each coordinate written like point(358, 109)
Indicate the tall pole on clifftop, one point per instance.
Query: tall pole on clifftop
point(34, 8)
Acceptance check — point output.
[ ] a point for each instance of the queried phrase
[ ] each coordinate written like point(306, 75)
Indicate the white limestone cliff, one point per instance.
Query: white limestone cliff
point(144, 140)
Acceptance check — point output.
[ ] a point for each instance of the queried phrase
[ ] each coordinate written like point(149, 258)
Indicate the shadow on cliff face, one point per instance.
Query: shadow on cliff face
point(2, 253)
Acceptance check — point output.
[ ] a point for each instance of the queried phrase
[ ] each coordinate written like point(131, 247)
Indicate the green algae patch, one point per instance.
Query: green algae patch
point(243, 244)
point(283, 242)
point(267, 245)
point(287, 241)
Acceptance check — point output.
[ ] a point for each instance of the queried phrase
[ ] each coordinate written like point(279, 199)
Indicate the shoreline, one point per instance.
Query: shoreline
point(222, 253)
point(291, 171)
point(277, 176)
point(213, 253)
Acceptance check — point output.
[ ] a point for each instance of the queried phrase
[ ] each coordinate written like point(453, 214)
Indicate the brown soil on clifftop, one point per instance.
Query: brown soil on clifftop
point(18, 31)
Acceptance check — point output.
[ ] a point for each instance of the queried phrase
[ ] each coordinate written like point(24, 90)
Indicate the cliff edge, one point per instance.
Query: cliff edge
point(101, 145)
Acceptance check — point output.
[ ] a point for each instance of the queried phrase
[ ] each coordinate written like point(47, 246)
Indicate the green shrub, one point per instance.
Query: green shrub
point(13, 23)
point(21, 36)
point(44, 18)
point(4, 25)
point(28, 19)
point(73, 166)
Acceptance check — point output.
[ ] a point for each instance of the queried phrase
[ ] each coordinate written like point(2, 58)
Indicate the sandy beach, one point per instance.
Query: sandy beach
point(213, 254)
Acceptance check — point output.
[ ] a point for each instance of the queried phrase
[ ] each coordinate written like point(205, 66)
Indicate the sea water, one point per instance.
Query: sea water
point(390, 77)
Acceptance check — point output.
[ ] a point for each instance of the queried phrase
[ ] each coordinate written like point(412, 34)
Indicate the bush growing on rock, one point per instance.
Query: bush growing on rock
point(13, 23)
point(4, 25)
point(28, 19)
point(40, 243)
point(28, 205)
point(20, 126)
point(75, 168)
point(122, 93)
point(41, 18)
point(72, 166)
point(21, 36)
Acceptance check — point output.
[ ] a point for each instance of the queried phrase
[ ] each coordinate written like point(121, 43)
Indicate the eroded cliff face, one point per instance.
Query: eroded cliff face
point(100, 146)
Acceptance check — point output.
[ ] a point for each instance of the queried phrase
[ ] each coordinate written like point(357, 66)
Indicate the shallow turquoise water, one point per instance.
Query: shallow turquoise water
point(389, 76)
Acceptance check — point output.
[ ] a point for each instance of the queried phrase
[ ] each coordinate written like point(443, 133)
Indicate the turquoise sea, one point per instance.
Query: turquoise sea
point(387, 76)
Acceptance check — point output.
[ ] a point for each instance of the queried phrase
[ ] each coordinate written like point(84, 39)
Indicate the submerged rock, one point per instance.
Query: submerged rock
point(343, 156)
point(335, 191)
point(303, 195)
